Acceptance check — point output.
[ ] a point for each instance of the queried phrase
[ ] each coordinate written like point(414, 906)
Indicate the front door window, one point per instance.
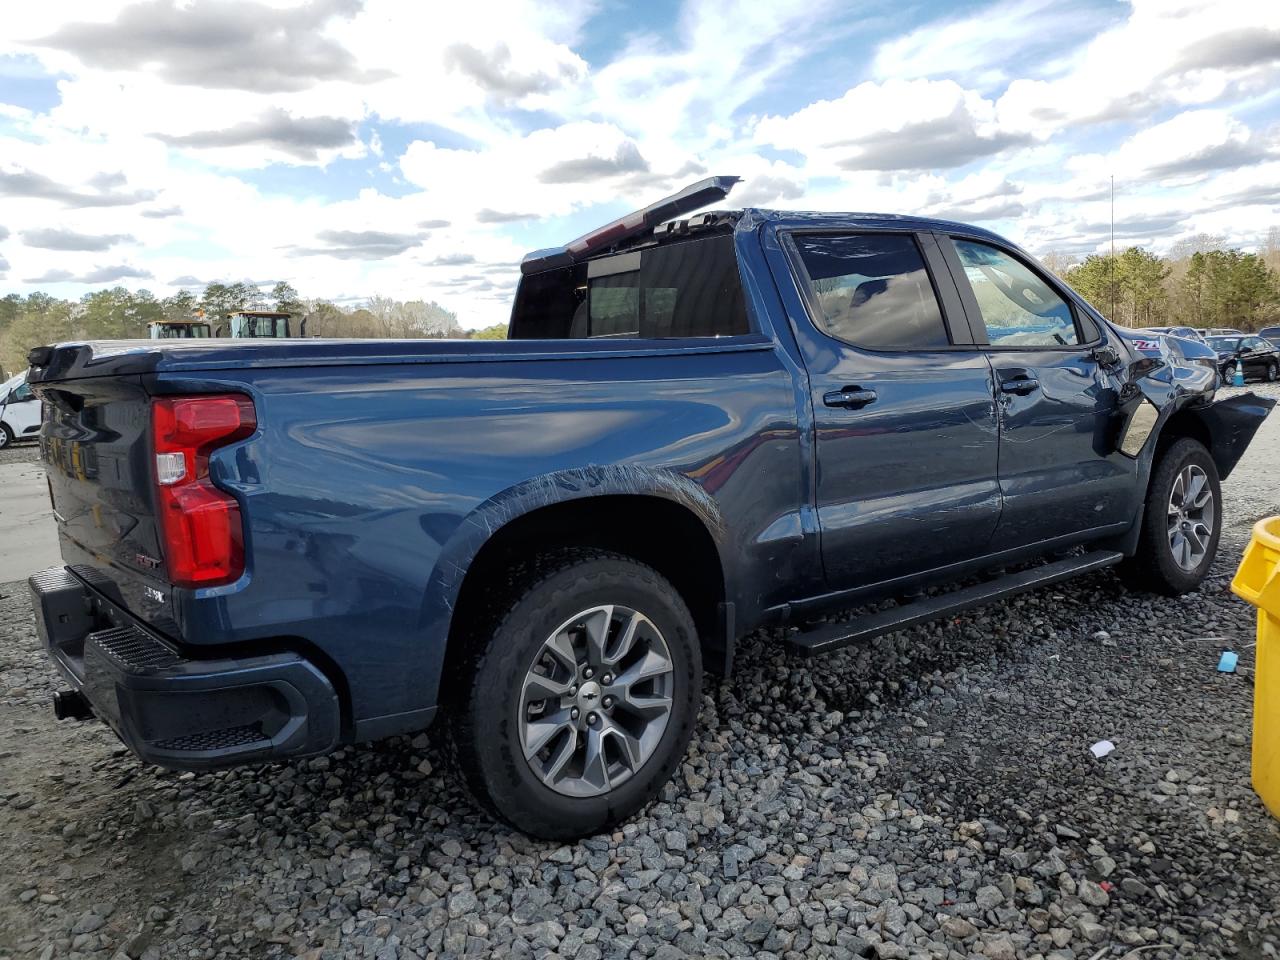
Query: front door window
point(1018, 308)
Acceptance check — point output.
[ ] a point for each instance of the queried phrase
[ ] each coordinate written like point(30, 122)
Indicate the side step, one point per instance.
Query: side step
point(827, 637)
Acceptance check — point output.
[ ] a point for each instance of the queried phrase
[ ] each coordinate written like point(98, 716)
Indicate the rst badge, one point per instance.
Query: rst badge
point(153, 594)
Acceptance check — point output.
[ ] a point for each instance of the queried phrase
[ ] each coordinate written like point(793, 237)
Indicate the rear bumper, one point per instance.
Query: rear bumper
point(173, 711)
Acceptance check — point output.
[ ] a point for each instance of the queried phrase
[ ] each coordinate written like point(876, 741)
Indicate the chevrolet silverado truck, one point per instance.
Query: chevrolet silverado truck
point(699, 425)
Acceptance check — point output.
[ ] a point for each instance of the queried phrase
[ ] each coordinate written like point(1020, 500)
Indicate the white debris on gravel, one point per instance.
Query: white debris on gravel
point(928, 796)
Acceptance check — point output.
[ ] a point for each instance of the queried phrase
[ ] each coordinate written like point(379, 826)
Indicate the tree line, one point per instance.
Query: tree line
point(121, 314)
point(1200, 283)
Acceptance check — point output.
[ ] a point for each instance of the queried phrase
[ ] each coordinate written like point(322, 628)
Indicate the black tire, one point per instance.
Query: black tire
point(484, 716)
point(6, 436)
point(1273, 371)
point(1154, 566)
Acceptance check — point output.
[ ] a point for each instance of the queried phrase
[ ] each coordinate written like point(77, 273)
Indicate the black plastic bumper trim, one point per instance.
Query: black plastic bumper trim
point(174, 711)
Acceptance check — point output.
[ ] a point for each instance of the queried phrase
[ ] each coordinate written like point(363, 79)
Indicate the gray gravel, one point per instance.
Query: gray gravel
point(931, 795)
point(20, 451)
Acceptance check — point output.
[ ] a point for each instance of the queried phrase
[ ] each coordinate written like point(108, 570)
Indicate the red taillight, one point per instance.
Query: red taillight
point(200, 525)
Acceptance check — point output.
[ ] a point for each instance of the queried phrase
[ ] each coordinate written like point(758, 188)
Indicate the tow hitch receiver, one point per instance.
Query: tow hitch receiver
point(71, 705)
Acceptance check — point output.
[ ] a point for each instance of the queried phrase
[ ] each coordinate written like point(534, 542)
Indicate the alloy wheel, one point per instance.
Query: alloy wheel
point(596, 701)
point(1191, 517)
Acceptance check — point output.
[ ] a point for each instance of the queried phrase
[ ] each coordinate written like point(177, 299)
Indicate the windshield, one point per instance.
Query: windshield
point(179, 331)
point(1224, 344)
point(12, 382)
point(255, 326)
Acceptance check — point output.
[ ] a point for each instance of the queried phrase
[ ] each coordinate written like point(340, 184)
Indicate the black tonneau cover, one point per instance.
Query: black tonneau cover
point(693, 197)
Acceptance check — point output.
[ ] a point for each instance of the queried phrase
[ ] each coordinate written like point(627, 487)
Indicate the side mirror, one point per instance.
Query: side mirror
point(1107, 356)
point(1246, 349)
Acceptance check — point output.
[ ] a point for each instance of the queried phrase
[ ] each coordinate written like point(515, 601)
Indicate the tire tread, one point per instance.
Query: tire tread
point(1151, 568)
point(482, 656)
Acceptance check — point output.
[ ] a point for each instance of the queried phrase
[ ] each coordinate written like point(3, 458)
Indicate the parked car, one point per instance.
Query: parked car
point(1223, 332)
point(1260, 358)
point(699, 425)
point(1271, 335)
point(1187, 333)
point(19, 411)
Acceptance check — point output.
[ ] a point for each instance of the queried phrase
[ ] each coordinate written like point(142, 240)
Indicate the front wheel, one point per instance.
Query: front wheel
point(1181, 524)
point(6, 436)
point(580, 696)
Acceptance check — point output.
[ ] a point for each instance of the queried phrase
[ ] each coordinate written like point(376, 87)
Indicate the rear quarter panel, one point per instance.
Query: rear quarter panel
point(368, 489)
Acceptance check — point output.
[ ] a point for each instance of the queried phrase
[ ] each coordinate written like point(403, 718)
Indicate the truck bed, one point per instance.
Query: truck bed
point(99, 358)
point(379, 469)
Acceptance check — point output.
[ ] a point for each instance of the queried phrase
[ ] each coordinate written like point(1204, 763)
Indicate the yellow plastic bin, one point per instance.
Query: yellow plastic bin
point(1258, 581)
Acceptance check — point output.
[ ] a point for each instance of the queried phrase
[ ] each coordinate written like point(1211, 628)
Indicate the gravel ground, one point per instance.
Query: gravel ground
point(21, 451)
point(930, 795)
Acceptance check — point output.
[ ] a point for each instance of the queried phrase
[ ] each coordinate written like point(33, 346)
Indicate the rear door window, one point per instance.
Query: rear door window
point(872, 291)
point(1018, 307)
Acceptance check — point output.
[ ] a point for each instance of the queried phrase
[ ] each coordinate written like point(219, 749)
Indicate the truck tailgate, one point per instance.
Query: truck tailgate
point(96, 444)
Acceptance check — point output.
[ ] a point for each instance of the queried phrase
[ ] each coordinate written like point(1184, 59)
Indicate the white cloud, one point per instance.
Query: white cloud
point(1191, 146)
point(895, 125)
point(1015, 115)
point(983, 46)
point(1164, 54)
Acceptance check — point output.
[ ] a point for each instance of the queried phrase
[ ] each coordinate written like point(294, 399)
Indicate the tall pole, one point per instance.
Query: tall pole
point(1112, 271)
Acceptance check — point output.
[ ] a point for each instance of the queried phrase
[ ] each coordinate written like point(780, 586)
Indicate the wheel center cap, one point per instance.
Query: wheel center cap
point(589, 695)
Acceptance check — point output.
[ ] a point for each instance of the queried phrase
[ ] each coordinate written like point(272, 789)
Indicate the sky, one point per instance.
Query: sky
point(417, 149)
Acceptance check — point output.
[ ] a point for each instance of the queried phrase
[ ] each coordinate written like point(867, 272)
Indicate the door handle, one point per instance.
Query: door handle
point(851, 398)
point(1020, 385)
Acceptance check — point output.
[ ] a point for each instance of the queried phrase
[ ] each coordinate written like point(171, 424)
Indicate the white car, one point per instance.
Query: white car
point(19, 410)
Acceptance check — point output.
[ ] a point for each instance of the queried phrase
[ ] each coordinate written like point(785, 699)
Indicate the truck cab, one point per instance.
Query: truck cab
point(258, 324)
point(701, 424)
point(179, 329)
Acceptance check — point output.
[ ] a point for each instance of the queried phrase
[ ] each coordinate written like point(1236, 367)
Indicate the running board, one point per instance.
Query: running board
point(827, 637)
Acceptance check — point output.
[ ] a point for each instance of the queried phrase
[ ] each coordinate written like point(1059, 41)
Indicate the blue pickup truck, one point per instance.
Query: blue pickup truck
point(700, 424)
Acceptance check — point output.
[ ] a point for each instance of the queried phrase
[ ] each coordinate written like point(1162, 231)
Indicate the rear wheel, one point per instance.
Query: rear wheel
point(1273, 371)
point(580, 695)
point(1181, 524)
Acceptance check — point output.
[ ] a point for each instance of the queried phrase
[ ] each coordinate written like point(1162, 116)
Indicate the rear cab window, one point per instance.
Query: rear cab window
point(684, 289)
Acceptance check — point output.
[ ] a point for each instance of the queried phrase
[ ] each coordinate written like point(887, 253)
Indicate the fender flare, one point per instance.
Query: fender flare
point(1231, 425)
point(565, 486)
point(1228, 425)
